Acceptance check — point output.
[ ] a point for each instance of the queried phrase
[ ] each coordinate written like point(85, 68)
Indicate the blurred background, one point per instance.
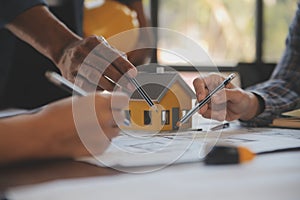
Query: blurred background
point(247, 36)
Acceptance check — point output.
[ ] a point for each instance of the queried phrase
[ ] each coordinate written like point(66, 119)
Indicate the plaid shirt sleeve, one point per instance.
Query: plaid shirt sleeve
point(9, 9)
point(282, 91)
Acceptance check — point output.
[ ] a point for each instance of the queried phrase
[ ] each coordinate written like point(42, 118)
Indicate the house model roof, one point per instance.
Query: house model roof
point(156, 85)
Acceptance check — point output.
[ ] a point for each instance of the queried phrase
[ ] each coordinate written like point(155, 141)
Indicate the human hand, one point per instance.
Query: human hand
point(81, 126)
point(88, 60)
point(229, 104)
point(69, 128)
point(91, 60)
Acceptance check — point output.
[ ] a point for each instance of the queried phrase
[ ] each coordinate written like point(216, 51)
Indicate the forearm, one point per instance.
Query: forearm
point(282, 92)
point(19, 139)
point(277, 96)
point(39, 28)
point(43, 135)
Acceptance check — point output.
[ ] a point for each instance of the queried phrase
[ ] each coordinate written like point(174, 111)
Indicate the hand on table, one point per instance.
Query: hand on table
point(68, 128)
point(89, 123)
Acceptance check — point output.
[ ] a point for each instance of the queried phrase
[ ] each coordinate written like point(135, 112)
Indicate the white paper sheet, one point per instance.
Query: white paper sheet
point(127, 151)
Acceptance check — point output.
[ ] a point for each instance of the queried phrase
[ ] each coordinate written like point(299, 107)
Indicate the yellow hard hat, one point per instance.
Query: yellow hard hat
point(111, 18)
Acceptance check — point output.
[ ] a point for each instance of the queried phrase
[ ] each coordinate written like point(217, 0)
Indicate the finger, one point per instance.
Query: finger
point(200, 88)
point(102, 67)
point(84, 84)
point(219, 115)
point(216, 115)
point(117, 77)
point(231, 116)
point(207, 113)
point(90, 73)
point(216, 112)
point(215, 79)
point(94, 68)
point(114, 57)
point(203, 109)
point(210, 81)
point(96, 78)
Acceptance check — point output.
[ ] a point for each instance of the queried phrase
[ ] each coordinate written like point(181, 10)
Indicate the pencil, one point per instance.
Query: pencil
point(69, 87)
point(63, 83)
point(142, 92)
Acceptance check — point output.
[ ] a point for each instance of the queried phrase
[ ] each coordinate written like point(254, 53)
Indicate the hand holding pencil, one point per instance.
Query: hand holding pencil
point(206, 100)
point(229, 104)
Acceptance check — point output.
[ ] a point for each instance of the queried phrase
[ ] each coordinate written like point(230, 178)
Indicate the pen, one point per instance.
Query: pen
point(220, 126)
point(69, 87)
point(139, 88)
point(204, 101)
point(64, 83)
point(142, 92)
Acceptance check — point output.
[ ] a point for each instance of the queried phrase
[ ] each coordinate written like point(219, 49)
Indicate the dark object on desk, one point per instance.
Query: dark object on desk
point(221, 126)
point(220, 155)
point(2, 197)
point(196, 129)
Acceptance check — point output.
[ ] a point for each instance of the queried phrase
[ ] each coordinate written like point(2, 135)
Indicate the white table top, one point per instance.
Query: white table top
point(270, 176)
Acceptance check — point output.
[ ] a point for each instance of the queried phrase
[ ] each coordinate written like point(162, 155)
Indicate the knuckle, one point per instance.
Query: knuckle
point(196, 81)
point(77, 53)
point(92, 41)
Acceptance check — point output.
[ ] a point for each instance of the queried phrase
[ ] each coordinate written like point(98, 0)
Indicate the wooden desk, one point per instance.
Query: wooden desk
point(43, 171)
point(271, 176)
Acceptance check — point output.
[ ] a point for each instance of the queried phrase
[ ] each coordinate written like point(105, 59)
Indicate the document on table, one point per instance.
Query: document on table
point(162, 150)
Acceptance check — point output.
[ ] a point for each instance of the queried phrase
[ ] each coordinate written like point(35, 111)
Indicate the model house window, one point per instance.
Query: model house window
point(128, 115)
point(183, 113)
point(147, 117)
point(165, 117)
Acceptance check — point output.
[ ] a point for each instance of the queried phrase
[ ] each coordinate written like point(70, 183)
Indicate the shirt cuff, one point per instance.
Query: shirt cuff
point(265, 117)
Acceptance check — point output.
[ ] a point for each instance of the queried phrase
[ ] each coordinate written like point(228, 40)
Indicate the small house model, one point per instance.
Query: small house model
point(172, 96)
